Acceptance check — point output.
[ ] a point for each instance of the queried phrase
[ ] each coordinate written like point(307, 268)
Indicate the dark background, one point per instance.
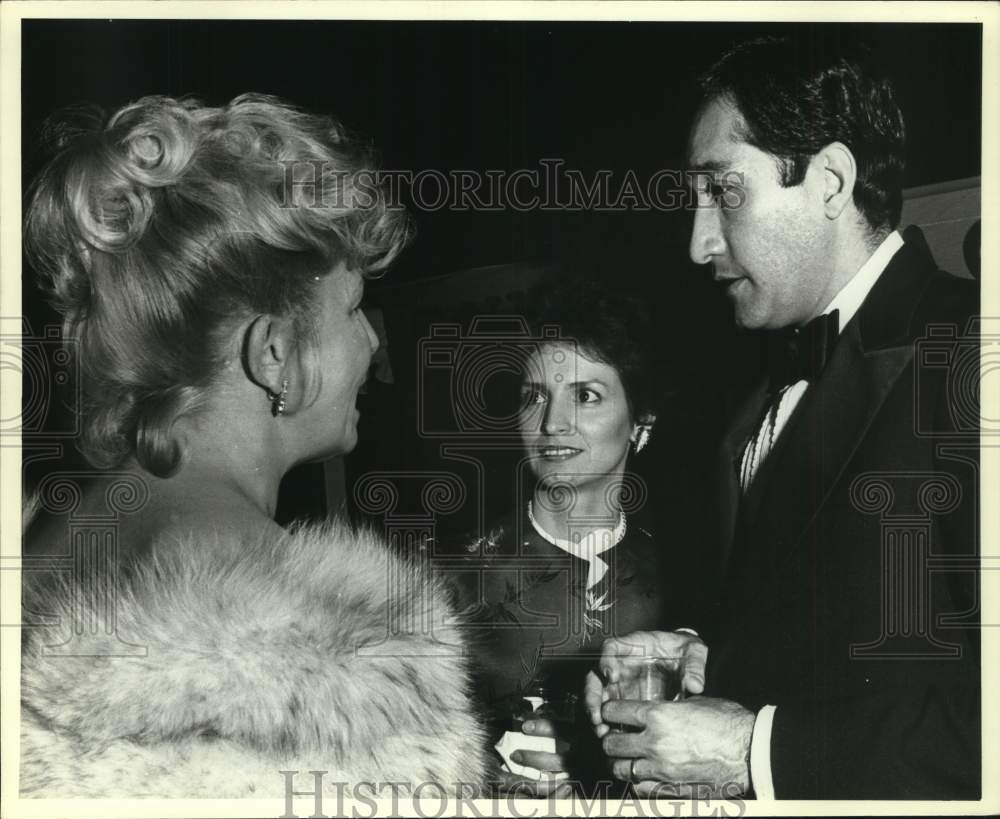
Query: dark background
point(492, 95)
point(503, 95)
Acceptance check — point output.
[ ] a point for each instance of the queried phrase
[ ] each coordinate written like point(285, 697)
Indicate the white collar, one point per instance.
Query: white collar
point(853, 294)
point(588, 547)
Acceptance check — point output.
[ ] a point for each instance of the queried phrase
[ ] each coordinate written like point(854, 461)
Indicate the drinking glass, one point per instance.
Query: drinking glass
point(647, 678)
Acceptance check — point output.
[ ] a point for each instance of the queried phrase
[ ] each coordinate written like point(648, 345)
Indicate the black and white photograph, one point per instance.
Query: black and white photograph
point(531, 409)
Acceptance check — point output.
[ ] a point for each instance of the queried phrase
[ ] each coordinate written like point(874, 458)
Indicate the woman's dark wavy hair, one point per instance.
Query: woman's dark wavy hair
point(607, 325)
point(796, 96)
point(158, 230)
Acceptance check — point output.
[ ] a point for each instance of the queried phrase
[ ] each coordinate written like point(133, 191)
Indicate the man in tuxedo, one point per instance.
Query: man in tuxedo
point(843, 657)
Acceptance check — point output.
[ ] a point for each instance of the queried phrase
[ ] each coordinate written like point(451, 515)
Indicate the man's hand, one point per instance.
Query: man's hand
point(643, 644)
point(700, 740)
point(553, 767)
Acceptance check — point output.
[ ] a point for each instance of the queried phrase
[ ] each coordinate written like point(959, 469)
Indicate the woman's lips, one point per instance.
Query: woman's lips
point(557, 453)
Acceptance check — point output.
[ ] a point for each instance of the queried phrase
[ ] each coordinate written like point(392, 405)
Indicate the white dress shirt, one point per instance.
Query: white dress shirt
point(847, 301)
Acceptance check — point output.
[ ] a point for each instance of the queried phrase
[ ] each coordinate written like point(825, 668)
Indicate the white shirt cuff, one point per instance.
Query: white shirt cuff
point(760, 754)
point(687, 630)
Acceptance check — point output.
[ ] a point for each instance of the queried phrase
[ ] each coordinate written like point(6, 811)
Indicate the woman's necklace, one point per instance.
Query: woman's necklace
point(617, 534)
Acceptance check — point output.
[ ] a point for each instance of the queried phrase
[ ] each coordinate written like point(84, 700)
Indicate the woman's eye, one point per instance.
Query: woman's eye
point(530, 395)
point(588, 396)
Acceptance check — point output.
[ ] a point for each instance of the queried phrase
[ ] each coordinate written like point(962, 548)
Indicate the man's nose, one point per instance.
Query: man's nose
point(706, 236)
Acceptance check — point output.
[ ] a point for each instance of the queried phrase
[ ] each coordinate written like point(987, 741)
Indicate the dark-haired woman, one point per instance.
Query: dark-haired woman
point(210, 264)
point(546, 584)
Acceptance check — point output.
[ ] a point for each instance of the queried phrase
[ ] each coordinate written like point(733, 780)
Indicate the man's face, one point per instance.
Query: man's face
point(769, 246)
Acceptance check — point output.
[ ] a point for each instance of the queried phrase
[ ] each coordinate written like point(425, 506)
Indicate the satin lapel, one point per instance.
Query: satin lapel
point(728, 465)
point(825, 430)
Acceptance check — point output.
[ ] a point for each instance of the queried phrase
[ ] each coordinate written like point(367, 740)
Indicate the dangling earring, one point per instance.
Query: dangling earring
point(278, 401)
point(642, 437)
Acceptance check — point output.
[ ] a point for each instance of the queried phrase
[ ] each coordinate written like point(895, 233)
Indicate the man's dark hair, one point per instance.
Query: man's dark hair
point(796, 96)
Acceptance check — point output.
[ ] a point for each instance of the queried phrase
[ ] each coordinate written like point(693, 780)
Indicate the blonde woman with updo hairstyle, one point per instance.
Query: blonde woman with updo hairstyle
point(209, 264)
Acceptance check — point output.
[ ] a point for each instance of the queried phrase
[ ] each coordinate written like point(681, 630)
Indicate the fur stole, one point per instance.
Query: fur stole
point(260, 657)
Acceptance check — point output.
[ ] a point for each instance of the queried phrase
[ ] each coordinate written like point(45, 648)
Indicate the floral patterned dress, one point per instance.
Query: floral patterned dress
point(533, 620)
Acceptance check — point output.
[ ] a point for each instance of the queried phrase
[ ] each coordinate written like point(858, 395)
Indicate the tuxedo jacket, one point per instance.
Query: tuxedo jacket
point(848, 572)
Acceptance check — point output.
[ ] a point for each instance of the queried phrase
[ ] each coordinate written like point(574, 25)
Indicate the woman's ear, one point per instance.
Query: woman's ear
point(268, 345)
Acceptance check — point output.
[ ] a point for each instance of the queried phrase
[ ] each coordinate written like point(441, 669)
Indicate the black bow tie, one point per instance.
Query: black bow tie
point(801, 353)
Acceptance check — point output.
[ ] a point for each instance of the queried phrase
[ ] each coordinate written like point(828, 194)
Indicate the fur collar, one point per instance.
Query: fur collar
point(259, 657)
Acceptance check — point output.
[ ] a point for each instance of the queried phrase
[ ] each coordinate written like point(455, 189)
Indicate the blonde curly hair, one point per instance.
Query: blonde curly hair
point(158, 231)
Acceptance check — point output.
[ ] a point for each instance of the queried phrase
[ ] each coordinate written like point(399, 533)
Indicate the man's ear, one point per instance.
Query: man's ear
point(840, 172)
point(268, 344)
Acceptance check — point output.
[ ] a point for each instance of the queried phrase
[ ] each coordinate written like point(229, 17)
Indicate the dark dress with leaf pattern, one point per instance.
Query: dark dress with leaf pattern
point(533, 621)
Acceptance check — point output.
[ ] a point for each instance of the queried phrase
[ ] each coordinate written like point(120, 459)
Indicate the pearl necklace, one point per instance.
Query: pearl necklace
point(617, 534)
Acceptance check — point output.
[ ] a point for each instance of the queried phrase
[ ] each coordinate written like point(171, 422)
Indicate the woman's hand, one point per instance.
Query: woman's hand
point(689, 646)
point(552, 766)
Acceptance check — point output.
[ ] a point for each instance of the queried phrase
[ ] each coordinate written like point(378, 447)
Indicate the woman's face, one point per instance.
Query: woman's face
point(343, 352)
point(575, 424)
